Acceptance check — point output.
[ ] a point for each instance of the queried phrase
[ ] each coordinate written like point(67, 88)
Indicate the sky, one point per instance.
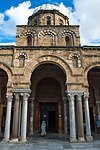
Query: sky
point(85, 13)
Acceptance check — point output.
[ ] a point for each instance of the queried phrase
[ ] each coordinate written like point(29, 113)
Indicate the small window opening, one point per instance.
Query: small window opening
point(21, 61)
point(48, 20)
point(61, 22)
point(35, 22)
point(29, 40)
point(68, 41)
point(75, 61)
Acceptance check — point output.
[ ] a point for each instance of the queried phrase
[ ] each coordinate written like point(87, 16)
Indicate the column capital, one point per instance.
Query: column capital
point(26, 96)
point(86, 96)
point(9, 97)
point(79, 97)
point(70, 96)
point(16, 96)
point(31, 98)
point(64, 99)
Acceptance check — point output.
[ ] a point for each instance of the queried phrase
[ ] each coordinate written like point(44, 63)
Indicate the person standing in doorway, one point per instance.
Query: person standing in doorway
point(43, 128)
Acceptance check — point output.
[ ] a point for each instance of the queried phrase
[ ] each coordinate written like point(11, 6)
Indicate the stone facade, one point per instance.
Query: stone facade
point(49, 76)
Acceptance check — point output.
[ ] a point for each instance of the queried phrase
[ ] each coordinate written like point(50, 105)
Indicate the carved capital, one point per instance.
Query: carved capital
point(26, 96)
point(64, 99)
point(86, 96)
point(9, 97)
point(16, 96)
point(31, 99)
point(79, 97)
point(70, 97)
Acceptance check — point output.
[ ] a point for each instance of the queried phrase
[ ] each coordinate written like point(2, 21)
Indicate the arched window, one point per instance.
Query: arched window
point(60, 22)
point(35, 22)
point(48, 20)
point(68, 41)
point(21, 61)
point(75, 61)
point(29, 40)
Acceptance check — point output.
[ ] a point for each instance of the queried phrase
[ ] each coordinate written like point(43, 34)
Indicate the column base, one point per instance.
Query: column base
point(31, 133)
point(23, 140)
point(73, 140)
point(5, 140)
point(13, 140)
point(89, 138)
point(81, 139)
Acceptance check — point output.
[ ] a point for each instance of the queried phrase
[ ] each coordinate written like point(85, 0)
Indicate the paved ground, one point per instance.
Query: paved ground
point(49, 143)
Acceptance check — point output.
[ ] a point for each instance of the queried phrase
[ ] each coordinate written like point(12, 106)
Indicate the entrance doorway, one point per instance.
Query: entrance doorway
point(48, 113)
point(3, 100)
point(48, 87)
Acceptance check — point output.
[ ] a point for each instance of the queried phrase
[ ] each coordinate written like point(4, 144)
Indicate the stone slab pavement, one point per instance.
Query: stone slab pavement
point(41, 143)
point(49, 145)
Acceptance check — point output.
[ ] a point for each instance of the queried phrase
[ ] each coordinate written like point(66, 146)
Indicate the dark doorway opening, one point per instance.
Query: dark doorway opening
point(48, 113)
point(51, 120)
point(94, 96)
point(92, 120)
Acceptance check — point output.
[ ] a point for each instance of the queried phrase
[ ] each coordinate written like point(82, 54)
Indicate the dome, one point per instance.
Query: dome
point(46, 7)
point(48, 14)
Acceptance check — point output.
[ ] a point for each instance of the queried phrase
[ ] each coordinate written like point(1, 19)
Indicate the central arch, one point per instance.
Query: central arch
point(48, 89)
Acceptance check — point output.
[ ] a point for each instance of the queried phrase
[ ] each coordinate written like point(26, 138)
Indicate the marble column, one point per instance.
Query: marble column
point(15, 118)
point(24, 117)
point(65, 117)
point(87, 118)
point(80, 118)
point(8, 117)
point(60, 117)
point(72, 118)
point(31, 107)
point(1, 116)
point(20, 115)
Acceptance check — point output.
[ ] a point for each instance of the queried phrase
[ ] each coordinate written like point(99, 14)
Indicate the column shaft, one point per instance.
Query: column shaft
point(1, 115)
point(72, 118)
point(20, 116)
point(8, 118)
point(31, 107)
point(15, 118)
point(60, 117)
point(87, 119)
point(24, 118)
point(65, 117)
point(80, 118)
